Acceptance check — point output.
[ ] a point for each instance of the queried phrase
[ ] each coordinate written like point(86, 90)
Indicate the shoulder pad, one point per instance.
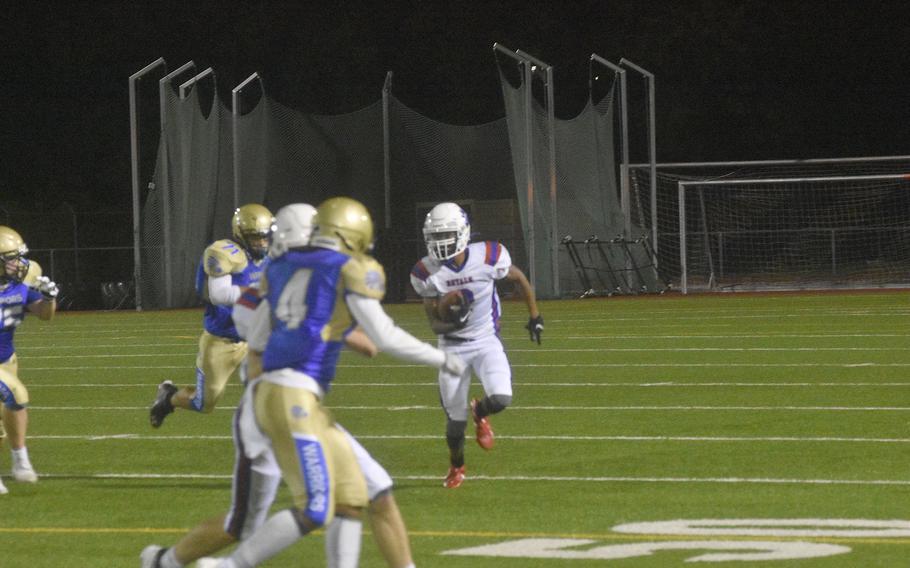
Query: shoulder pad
point(224, 257)
point(493, 250)
point(363, 275)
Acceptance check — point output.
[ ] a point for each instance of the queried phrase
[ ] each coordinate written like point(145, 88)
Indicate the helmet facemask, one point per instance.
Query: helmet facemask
point(15, 266)
point(256, 243)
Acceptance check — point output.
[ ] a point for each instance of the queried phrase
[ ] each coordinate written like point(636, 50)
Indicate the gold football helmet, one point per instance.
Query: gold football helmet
point(251, 227)
point(33, 273)
point(12, 255)
point(343, 224)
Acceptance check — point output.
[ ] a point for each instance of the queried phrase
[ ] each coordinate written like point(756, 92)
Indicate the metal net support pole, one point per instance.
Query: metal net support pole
point(546, 71)
point(652, 148)
point(235, 130)
point(134, 163)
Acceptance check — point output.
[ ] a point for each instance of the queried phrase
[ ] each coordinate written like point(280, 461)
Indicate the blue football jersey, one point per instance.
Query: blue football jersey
point(306, 291)
point(221, 258)
point(13, 300)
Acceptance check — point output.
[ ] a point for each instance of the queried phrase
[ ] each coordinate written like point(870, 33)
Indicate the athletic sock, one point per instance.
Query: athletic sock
point(455, 430)
point(342, 542)
point(278, 533)
point(169, 560)
point(20, 456)
point(456, 451)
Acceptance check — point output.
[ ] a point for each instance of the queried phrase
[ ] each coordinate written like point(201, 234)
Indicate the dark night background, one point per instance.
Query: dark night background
point(735, 80)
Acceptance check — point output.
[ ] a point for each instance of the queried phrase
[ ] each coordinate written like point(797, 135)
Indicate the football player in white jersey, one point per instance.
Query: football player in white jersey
point(22, 289)
point(469, 324)
point(312, 297)
point(227, 267)
point(255, 482)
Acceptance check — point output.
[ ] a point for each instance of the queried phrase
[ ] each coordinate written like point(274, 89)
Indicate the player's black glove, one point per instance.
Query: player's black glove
point(461, 312)
point(534, 327)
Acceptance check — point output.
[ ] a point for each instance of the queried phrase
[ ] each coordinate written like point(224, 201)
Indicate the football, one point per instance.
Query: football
point(447, 307)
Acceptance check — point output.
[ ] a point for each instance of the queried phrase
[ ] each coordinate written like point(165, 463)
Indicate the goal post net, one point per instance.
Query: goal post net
point(794, 233)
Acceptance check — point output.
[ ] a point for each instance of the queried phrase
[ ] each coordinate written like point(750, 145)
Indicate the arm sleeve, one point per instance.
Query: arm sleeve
point(424, 288)
point(33, 296)
point(221, 291)
point(243, 311)
point(387, 336)
point(421, 281)
point(260, 327)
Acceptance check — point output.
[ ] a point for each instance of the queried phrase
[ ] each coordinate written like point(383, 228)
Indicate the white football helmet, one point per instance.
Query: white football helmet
point(446, 231)
point(293, 227)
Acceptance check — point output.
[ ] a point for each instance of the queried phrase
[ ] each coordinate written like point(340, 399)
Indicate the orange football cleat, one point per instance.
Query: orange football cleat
point(484, 430)
point(454, 478)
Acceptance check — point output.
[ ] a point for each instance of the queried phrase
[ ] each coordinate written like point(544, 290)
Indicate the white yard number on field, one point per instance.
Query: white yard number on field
point(721, 550)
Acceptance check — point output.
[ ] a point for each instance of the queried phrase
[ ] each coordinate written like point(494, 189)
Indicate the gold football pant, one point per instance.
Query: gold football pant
point(217, 361)
point(316, 460)
point(13, 393)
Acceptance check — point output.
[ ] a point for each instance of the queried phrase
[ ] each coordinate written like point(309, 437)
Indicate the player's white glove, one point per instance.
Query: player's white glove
point(47, 287)
point(453, 365)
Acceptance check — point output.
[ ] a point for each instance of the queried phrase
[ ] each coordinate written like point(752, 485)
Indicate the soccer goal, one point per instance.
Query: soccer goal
point(795, 233)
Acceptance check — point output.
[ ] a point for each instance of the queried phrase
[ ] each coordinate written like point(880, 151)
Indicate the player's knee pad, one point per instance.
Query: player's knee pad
point(498, 402)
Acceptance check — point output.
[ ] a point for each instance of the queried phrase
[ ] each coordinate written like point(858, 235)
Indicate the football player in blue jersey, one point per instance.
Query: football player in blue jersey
point(312, 297)
point(226, 269)
point(256, 481)
point(22, 289)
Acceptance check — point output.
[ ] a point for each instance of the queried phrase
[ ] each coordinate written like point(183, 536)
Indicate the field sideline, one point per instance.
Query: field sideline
point(784, 419)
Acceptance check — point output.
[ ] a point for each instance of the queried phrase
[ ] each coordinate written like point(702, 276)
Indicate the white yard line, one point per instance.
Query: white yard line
point(698, 349)
point(553, 408)
point(539, 383)
point(434, 437)
point(553, 336)
point(368, 366)
point(737, 336)
point(535, 478)
point(25, 353)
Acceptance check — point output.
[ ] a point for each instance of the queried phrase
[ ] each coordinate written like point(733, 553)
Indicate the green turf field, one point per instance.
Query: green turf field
point(729, 408)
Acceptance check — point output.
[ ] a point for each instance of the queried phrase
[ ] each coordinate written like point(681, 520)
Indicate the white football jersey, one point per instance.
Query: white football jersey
point(485, 262)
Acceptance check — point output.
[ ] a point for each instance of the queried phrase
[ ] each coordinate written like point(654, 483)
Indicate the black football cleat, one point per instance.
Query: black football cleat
point(162, 405)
